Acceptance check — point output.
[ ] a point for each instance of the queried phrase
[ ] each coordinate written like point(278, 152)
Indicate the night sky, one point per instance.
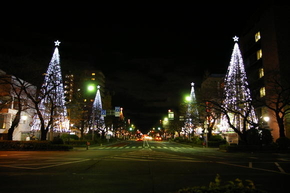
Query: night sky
point(149, 54)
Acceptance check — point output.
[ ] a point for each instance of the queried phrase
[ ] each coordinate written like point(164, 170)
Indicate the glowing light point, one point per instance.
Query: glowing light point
point(188, 98)
point(91, 87)
point(56, 43)
point(236, 39)
point(98, 86)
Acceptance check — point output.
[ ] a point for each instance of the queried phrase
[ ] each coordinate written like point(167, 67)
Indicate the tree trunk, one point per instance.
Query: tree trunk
point(82, 129)
point(43, 134)
point(14, 124)
point(281, 127)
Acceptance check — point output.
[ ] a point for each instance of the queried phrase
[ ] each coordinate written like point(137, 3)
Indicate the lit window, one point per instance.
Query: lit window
point(93, 79)
point(257, 36)
point(259, 54)
point(93, 74)
point(261, 72)
point(262, 92)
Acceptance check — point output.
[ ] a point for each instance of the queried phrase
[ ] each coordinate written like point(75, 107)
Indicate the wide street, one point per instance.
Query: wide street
point(138, 167)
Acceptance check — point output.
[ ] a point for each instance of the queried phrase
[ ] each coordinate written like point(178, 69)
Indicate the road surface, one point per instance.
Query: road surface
point(137, 167)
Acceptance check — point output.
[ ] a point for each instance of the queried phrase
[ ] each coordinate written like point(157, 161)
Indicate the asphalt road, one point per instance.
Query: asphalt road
point(138, 167)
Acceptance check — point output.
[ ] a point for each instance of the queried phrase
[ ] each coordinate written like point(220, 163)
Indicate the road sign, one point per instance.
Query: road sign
point(171, 116)
point(117, 111)
point(103, 113)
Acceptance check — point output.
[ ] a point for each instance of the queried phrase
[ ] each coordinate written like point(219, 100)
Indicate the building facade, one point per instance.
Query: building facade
point(10, 96)
point(80, 91)
point(265, 47)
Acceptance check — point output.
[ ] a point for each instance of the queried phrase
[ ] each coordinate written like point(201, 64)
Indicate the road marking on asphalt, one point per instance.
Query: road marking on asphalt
point(146, 154)
point(279, 167)
point(145, 146)
point(261, 169)
point(42, 164)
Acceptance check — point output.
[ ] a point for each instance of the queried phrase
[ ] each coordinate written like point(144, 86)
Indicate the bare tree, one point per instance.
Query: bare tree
point(277, 98)
point(211, 93)
point(47, 112)
point(15, 87)
point(209, 115)
point(231, 113)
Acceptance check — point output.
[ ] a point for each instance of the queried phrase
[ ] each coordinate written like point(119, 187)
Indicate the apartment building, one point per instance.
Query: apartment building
point(266, 51)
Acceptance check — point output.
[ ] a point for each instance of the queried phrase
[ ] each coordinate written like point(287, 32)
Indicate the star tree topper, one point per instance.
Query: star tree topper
point(56, 43)
point(236, 39)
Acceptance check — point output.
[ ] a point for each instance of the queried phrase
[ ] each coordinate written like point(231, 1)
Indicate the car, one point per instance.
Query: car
point(158, 138)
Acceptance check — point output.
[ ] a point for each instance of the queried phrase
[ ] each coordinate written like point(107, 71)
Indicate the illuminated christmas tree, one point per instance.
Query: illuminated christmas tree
point(191, 112)
point(237, 105)
point(97, 118)
point(52, 106)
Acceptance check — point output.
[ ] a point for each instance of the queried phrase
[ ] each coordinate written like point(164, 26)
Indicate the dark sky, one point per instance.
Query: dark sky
point(149, 54)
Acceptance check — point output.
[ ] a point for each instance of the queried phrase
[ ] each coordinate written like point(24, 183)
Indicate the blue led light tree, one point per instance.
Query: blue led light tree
point(97, 118)
point(191, 114)
point(52, 112)
point(238, 111)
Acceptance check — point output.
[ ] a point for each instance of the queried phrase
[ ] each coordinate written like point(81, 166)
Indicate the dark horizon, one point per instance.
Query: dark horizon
point(148, 56)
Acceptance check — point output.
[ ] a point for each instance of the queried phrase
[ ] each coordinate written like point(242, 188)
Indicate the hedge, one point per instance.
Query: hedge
point(236, 186)
point(7, 145)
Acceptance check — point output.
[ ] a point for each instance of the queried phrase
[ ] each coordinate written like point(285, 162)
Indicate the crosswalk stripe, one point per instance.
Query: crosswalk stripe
point(152, 147)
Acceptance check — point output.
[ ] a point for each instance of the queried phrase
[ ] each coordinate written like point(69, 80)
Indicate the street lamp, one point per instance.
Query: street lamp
point(188, 99)
point(91, 87)
point(267, 119)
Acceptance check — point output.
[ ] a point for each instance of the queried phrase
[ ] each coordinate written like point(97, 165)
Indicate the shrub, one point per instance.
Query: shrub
point(252, 137)
point(216, 138)
point(237, 186)
point(197, 140)
point(34, 145)
point(68, 137)
point(266, 136)
point(216, 141)
point(283, 143)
